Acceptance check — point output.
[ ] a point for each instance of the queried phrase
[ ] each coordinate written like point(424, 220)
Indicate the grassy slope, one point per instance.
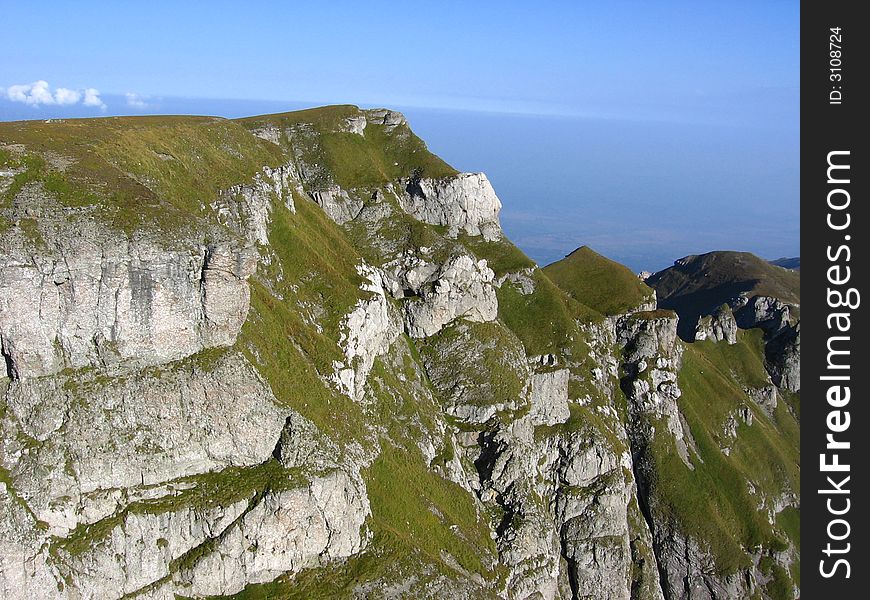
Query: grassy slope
point(714, 502)
point(419, 519)
point(598, 282)
point(135, 173)
point(379, 157)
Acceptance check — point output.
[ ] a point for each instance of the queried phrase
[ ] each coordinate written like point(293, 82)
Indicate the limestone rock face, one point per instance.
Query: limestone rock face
point(356, 124)
point(652, 359)
point(92, 438)
point(286, 531)
point(247, 207)
point(572, 528)
point(367, 332)
point(337, 203)
point(765, 397)
point(464, 203)
point(462, 288)
point(652, 355)
point(384, 116)
point(718, 327)
point(549, 397)
point(770, 314)
point(168, 483)
point(91, 299)
point(688, 572)
point(783, 353)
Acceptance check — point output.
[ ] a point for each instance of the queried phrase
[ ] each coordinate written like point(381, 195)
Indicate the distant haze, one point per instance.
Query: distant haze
point(644, 193)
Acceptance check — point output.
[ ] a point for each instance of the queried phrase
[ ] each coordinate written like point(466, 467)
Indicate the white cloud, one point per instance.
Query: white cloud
point(92, 98)
point(65, 96)
point(134, 100)
point(39, 93)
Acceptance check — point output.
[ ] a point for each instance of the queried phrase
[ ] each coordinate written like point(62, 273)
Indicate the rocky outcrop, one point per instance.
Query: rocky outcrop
point(465, 203)
point(783, 354)
point(287, 530)
point(652, 359)
point(458, 362)
point(549, 397)
point(568, 498)
point(109, 477)
point(383, 116)
point(521, 280)
point(689, 572)
point(765, 397)
point(571, 527)
point(461, 288)
point(356, 124)
point(92, 438)
point(718, 327)
point(247, 207)
point(770, 314)
point(337, 203)
point(94, 298)
point(651, 363)
point(367, 332)
point(782, 338)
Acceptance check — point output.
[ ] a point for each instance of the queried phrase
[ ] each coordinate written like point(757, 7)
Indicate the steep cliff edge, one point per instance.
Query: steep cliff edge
point(295, 356)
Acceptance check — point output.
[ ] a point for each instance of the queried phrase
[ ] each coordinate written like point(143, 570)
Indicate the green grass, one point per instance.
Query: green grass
point(545, 320)
point(714, 503)
point(139, 173)
point(424, 511)
point(379, 157)
point(598, 282)
point(385, 240)
point(779, 586)
point(387, 561)
point(317, 279)
point(789, 520)
point(492, 377)
point(30, 166)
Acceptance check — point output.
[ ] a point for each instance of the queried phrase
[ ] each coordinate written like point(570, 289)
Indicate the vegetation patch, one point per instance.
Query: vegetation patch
point(422, 510)
point(382, 155)
point(545, 320)
point(719, 502)
point(598, 282)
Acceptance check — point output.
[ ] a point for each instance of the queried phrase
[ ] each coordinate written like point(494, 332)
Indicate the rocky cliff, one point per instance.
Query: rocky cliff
point(295, 356)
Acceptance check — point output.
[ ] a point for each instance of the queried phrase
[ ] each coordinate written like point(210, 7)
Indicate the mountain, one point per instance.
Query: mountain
point(696, 285)
point(788, 263)
point(295, 356)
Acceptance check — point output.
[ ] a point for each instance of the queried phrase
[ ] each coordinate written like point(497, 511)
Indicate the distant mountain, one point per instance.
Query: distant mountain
point(793, 263)
point(696, 285)
point(598, 282)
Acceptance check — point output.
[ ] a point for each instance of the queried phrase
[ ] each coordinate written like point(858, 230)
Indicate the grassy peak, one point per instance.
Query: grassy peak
point(598, 282)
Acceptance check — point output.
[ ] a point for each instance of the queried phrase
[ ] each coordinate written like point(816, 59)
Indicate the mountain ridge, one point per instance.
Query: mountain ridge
point(295, 355)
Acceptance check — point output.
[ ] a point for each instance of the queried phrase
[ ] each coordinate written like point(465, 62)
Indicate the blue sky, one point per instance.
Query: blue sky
point(728, 72)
